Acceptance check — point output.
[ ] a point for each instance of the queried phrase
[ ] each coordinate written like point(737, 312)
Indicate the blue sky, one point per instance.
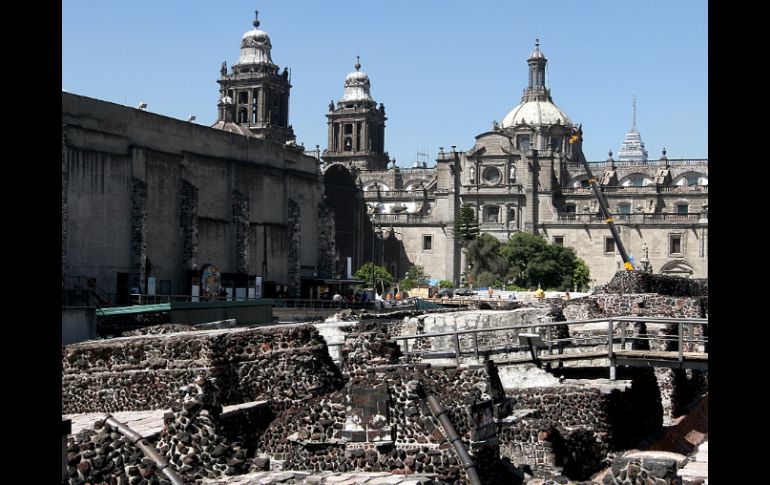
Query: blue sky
point(444, 69)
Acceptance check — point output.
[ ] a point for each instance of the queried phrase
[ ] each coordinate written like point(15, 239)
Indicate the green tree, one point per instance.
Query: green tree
point(371, 272)
point(533, 261)
point(415, 276)
point(445, 284)
point(581, 276)
point(484, 255)
point(466, 225)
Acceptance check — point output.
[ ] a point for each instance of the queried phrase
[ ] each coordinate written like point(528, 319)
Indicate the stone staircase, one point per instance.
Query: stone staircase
point(696, 471)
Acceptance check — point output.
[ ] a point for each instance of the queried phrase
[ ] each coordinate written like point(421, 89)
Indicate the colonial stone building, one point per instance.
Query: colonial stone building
point(523, 175)
point(144, 195)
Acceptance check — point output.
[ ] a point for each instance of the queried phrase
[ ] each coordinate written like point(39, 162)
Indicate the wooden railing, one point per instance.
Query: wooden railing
point(615, 339)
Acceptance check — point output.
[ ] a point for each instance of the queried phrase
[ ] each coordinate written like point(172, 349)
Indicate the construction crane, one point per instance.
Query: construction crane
point(627, 262)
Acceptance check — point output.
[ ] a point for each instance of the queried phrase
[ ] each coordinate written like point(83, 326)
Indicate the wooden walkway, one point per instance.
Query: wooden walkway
point(635, 358)
point(146, 423)
point(538, 338)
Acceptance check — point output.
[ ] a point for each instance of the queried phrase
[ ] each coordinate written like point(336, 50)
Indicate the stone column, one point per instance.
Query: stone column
point(241, 222)
point(261, 105)
point(64, 205)
point(365, 135)
point(327, 250)
point(295, 261)
point(138, 233)
point(189, 223)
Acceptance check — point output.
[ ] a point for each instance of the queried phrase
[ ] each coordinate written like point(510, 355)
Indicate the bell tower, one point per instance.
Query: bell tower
point(357, 126)
point(255, 96)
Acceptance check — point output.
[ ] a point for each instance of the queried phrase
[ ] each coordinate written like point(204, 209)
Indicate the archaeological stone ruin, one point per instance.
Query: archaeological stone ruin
point(249, 405)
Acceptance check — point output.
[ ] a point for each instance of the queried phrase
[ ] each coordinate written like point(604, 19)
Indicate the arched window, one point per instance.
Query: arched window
point(492, 213)
point(636, 180)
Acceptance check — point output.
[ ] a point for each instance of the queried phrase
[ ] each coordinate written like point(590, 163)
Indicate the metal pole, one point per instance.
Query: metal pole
point(610, 354)
point(457, 349)
point(681, 341)
point(476, 344)
point(451, 434)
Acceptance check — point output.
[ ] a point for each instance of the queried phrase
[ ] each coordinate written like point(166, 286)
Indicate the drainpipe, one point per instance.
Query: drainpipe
point(148, 450)
point(440, 413)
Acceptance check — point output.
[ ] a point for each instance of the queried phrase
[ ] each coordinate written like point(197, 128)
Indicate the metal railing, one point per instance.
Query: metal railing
point(632, 217)
point(633, 189)
point(409, 195)
point(671, 161)
point(550, 342)
point(401, 218)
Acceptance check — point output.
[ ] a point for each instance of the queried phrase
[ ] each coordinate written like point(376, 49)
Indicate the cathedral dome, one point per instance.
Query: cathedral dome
point(255, 46)
point(357, 86)
point(257, 35)
point(539, 113)
point(356, 77)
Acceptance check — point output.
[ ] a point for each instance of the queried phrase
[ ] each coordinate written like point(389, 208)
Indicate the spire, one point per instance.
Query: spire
point(256, 19)
point(632, 149)
point(536, 90)
point(358, 63)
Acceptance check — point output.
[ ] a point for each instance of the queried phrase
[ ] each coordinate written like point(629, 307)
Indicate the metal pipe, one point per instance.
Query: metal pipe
point(149, 451)
point(465, 458)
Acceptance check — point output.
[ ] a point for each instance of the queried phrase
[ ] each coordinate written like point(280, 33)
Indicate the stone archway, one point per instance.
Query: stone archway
point(344, 197)
point(678, 267)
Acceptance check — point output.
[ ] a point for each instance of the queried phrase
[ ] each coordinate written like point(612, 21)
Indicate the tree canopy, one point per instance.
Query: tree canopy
point(415, 276)
point(533, 261)
point(484, 256)
point(466, 225)
point(371, 270)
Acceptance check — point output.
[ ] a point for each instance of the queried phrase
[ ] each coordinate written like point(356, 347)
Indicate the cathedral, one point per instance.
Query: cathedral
point(525, 174)
point(148, 200)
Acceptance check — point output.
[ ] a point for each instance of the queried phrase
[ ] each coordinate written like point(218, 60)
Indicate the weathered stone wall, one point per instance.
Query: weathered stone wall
point(471, 320)
point(326, 243)
point(145, 372)
point(142, 186)
point(241, 216)
point(295, 258)
point(570, 429)
point(637, 304)
point(189, 225)
point(625, 282)
point(64, 204)
point(381, 422)
point(138, 234)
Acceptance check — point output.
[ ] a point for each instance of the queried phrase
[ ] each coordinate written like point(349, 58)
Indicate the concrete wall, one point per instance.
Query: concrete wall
point(77, 324)
point(129, 176)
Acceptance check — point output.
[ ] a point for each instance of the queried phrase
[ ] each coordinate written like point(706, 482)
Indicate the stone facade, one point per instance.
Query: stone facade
point(326, 247)
point(189, 225)
point(138, 235)
point(141, 186)
point(526, 175)
point(241, 222)
point(295, 259)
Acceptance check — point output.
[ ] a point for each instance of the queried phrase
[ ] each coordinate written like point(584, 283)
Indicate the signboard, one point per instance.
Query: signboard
point(151, 286)
point(195, 293)
point(211, 281)
point(258, 287)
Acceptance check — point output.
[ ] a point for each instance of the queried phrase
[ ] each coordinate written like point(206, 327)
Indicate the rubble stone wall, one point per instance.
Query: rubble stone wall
point(145, 372)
